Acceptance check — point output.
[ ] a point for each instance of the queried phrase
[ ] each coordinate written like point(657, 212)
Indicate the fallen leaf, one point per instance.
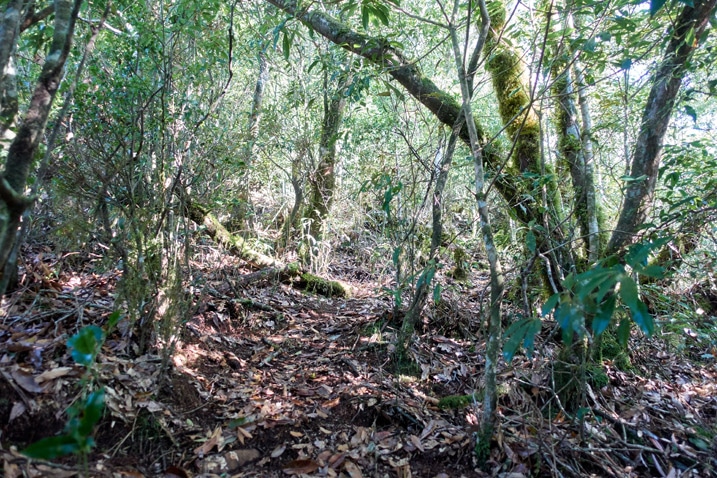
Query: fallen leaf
point(151, 406)
point(336, 460)
point(53, 374)
point(18, 409)
point(276, 453)
point(296, 434)
point(242, 434)
point(213, 441)
point(27, 382)
point(353, 470)
point(416, 442)
point(301, 466)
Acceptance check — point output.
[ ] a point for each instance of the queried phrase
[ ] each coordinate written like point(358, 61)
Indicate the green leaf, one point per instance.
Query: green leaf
point(91, 412)
point(52, 447)
point(592, 279)
point(590, 45)
point(623, 332)
point(550, 304)
point(628, 292)
point(603, 317)
point(529, 341)
point(626, 63)
point(655, 271)
point(530, 242)
point(655, 6)
point(113, 320)
point(437, 293)
point(381, 12)
point(396, 255)
point(286, 45)
point(522, 331)
point(690, 111)
point(85, 344)
point(365, 16)
point(642, 318)
point(427, 276)
point(571, 318)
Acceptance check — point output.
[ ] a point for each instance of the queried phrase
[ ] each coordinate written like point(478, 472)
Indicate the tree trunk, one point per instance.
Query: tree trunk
point(323, 179)
point(243, 209)
point(685, 39)
point(268, 266)
point(571, 146)
point(24, 146)
point(9, 30)
point(490, 395)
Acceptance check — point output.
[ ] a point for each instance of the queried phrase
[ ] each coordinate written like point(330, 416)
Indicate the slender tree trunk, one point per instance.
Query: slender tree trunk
point(496, 272)
point(243, 209)
point(570, 144)
point(423, 286)
point(685, 39)
point(24, 146)
point(593, 211)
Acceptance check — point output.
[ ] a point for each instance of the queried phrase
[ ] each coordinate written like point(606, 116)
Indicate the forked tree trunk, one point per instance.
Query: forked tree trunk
point(323, 179)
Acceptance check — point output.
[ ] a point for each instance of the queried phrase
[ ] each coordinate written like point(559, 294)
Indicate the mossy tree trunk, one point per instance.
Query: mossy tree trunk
point(323, 180)
point(541, 197)
point(269, 267)
point(571, 146)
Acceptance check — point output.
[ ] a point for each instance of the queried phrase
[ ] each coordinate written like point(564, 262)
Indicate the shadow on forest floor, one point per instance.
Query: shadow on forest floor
point(288, 383)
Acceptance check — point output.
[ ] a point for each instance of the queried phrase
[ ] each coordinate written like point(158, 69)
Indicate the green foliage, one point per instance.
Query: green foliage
point(590, 299)
point(77, 437)
point(85, 345)
point(375, 12)
point(521, 332)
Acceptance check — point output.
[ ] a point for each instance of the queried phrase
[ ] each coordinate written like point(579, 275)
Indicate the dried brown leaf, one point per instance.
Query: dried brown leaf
point(26, 381)
point(353, 470)
point(213, 441)
point(300, 466)
point(53, 374)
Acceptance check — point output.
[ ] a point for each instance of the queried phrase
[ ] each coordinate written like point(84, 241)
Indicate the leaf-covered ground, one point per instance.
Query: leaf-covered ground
point(269, 381)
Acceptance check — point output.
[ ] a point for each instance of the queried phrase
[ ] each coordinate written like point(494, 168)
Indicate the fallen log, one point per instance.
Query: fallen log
point(268, 266)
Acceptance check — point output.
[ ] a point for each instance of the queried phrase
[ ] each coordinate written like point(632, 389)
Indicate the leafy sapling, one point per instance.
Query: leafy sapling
point(85, 414)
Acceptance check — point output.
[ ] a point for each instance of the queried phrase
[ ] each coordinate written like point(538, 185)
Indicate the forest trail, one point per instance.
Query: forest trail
point(269, 381)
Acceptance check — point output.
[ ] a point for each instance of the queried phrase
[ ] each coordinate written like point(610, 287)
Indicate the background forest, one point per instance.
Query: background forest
point(358, 238)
